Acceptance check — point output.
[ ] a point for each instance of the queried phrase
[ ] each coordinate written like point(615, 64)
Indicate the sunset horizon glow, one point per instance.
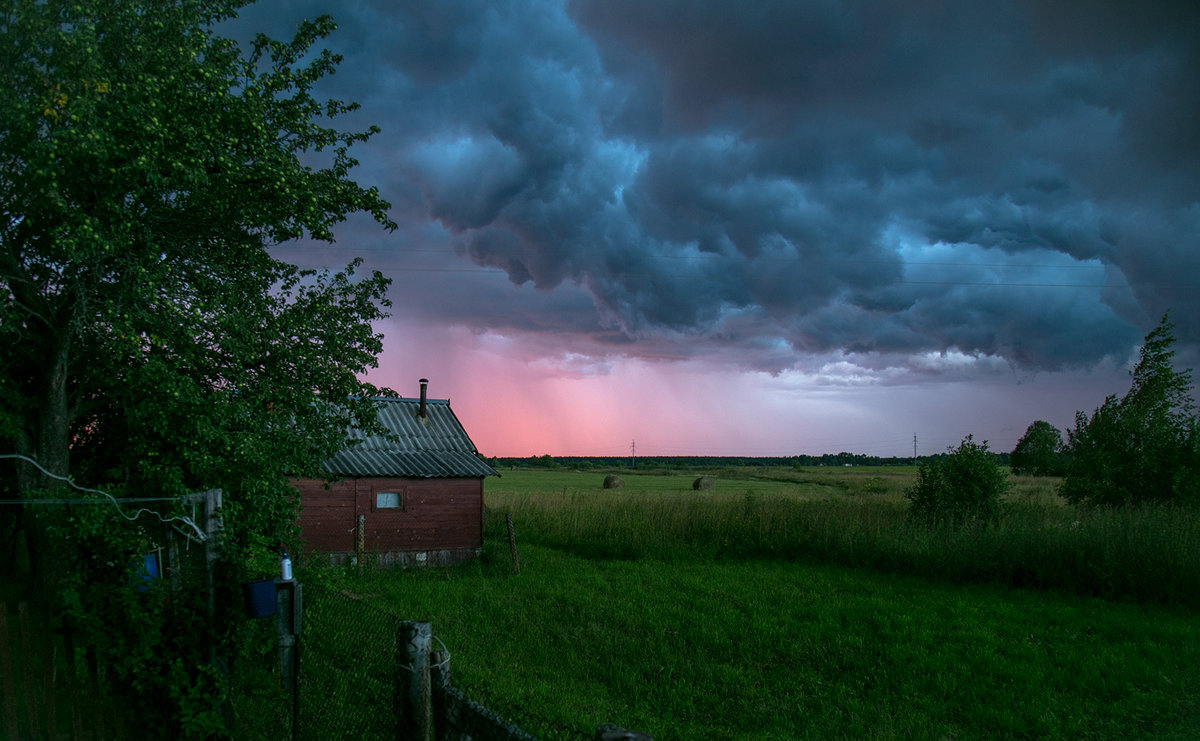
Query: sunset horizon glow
point(667, 408)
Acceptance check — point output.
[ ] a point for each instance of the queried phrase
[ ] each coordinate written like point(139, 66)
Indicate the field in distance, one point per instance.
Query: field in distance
point(802, 482)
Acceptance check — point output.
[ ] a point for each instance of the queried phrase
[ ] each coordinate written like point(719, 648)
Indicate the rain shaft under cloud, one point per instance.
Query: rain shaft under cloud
point(782, 184)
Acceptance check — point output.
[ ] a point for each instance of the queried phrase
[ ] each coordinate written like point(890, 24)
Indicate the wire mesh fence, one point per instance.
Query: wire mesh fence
point(354, 674)
point(347, 667)
point(473, 713)
point(346, 674)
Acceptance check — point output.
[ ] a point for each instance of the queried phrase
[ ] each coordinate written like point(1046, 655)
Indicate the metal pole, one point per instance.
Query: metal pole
point(289, 600)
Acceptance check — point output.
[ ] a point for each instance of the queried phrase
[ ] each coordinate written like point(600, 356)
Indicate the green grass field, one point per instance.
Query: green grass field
point(802, 604)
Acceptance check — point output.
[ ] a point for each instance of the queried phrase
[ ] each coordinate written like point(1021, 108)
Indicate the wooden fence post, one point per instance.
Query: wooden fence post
point(213, 526)
point(31, 691)
point(512, 543)
point(414, 697)
point(360, 541)
point(6, 666)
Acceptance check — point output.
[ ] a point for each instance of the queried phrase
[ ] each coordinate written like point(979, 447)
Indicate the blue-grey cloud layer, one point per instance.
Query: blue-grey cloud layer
point(787, 179)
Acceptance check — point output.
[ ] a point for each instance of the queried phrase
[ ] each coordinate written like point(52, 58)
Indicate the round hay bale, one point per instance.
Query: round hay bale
point(704, 483)
point(613, 481)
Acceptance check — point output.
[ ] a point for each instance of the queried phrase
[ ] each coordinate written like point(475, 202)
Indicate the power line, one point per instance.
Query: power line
point(396, 267)
point(997, 284)
point(716, 255)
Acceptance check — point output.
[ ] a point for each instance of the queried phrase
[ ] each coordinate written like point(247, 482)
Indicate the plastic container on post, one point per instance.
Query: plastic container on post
point(149, 570)
point(260, 598)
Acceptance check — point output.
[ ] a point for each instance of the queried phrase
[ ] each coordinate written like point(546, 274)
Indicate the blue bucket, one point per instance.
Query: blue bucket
point(147, 569)
point(150, 569)
point(260, 598)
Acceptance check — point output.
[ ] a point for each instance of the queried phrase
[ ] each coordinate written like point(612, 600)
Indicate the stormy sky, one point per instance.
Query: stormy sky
point(769, 228)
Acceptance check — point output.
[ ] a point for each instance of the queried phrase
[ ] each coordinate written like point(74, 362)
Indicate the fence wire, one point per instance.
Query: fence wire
point(350, 661)
point(464, 716)
point(347, 667)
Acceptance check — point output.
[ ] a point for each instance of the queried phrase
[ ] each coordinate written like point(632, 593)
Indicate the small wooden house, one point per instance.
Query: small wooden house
point(413, 498)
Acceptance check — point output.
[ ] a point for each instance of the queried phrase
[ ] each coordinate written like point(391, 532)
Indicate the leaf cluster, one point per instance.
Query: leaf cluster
point(149, 165)
point(1145, 446)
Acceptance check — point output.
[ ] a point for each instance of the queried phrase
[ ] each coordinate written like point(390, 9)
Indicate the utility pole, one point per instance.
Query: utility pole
point(914, 447)
point(633, 453)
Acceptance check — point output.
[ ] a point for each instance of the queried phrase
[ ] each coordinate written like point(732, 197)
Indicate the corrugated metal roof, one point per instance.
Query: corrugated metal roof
point(434, 447)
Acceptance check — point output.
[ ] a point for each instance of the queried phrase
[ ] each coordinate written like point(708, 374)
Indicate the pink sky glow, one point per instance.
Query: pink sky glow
point(516, 402)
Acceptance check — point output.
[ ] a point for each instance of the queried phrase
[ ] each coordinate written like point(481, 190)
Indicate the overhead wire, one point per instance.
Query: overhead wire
point(108, 498)
point(398, 267)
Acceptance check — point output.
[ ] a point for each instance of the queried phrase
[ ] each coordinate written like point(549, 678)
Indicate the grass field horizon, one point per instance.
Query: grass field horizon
point(800, 603)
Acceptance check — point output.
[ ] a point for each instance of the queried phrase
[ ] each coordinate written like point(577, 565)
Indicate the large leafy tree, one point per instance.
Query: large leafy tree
point(1145, 446)
point(1039, 452)
point(149, 340)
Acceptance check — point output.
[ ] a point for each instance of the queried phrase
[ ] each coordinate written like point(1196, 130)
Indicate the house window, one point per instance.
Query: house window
point(389, 500)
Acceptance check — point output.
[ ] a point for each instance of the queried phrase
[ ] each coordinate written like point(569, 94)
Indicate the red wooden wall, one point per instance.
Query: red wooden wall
point(437, 514)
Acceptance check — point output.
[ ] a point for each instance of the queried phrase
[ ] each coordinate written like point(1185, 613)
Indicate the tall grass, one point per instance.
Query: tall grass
point(1147, 553)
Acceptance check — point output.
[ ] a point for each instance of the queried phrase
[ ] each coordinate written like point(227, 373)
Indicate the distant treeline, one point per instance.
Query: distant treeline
point(708, 462)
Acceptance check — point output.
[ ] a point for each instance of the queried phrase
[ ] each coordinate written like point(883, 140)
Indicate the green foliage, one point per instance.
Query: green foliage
point(1145, 446)
point(149, 639)
point(149, 167)
point(543, 461)
point(150, 344)
point(962, 487)
point(1039, 452)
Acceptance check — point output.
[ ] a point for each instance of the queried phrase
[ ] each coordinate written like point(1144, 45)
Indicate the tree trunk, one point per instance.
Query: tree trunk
point(54, 424)
point(49, 446)
point(47, 437)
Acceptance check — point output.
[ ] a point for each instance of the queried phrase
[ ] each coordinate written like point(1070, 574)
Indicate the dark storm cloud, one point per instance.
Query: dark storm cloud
point(1019, 180)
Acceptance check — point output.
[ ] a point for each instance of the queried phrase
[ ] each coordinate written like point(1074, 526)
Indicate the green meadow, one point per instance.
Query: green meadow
point(802, 603)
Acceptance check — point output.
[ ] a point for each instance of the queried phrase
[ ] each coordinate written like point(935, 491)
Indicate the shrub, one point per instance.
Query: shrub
point(962, 487)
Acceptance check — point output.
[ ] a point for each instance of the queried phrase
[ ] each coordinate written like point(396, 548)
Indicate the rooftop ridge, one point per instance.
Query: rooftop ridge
point(407, 399)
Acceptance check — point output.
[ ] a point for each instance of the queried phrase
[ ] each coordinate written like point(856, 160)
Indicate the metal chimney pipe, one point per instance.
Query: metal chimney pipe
point(424, 382)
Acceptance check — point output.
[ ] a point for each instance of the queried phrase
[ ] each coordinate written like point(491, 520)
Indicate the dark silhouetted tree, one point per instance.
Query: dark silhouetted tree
point(1143, 447)
point(1039, 452)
